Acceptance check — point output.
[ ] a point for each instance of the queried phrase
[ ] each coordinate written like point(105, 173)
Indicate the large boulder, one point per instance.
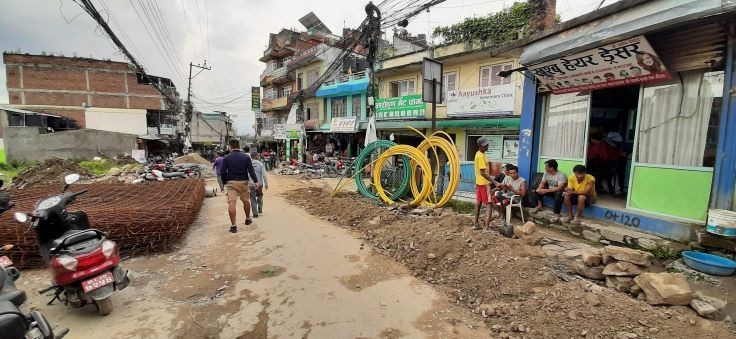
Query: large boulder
point(623, 269)
point(529, 227)
point(628, 255)
point(665, 288)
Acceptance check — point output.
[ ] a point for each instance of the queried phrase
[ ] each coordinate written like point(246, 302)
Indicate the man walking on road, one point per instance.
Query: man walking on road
point(218, 170)
point(256, 193)
point(237, 169)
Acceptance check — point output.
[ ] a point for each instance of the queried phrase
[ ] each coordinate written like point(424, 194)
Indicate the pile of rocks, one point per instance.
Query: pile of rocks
point(627, 270)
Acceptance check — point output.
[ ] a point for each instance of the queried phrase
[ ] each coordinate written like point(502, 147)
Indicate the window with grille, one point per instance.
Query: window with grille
point(339, 107)
point(356, 105)
point(402, 88)
point(449, 82)
point(489, 75)
point(285, 91)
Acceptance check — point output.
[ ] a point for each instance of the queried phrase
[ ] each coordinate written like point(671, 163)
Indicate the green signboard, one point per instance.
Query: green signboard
point(406, 107)
point(255, 98)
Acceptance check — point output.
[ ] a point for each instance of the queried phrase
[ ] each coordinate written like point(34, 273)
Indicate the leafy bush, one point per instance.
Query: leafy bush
point(507, 25)
point(97, 167)
point(13, 168)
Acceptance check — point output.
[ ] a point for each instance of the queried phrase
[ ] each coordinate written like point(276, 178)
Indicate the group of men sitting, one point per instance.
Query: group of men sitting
point(496, 192)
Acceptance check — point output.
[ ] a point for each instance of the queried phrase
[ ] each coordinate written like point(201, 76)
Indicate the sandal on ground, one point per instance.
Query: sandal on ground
point(576, 221)
point(476, 226)
point(554, 219)
point(568, 219)
point(248, 221)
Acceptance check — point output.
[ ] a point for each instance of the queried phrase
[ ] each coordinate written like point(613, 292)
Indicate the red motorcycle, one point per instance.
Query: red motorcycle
point(84, 264)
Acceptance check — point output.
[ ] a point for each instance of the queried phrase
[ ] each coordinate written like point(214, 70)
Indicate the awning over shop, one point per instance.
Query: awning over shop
point(343, 88)
point(449, 123)
point(641, 19)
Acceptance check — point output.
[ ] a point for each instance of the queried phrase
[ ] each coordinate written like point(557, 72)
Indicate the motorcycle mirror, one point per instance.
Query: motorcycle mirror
point(8, 247)
point(20, 217)
point(71, 178)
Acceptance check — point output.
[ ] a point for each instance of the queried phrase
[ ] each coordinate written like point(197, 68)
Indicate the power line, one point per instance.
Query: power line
point(189, 30)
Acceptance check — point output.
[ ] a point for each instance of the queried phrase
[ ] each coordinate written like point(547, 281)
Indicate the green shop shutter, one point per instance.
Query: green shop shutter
point(691, 47)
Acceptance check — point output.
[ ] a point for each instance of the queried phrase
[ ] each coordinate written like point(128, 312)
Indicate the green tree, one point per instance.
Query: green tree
point(507, 25)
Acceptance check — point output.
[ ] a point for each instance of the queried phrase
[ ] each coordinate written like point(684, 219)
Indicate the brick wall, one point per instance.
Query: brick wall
point(543, 14)
point(61, 81)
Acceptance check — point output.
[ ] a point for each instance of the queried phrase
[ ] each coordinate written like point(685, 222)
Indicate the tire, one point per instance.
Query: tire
point(104, 306)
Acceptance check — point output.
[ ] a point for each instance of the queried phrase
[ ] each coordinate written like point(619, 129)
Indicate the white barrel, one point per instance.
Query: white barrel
point(722, 222)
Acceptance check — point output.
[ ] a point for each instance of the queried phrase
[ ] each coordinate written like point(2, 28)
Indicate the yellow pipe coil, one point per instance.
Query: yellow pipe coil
point(419, 158)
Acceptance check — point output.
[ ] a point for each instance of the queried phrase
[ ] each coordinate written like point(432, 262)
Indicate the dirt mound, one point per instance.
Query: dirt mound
point(516, 288)
point(49, 172)
point(193, 158)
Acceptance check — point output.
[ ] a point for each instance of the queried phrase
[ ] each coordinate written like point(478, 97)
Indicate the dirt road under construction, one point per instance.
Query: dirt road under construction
point(319, 266)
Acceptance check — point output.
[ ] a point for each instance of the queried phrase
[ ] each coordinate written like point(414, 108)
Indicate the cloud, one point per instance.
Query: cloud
point(230, 34)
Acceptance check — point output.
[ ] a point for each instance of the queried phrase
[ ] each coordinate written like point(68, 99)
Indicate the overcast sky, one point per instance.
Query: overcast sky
point(230, 34)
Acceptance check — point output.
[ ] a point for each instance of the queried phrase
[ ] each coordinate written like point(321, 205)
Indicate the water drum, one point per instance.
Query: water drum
point(722, 222)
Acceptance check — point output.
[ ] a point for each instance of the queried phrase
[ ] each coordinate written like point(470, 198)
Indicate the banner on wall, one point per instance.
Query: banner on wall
point(483, 101)
point(279, 131)
point(510, 147)
point(406, 107)
point(343, 125)
point(294, 131)
point(495, 147)
point(627, 62)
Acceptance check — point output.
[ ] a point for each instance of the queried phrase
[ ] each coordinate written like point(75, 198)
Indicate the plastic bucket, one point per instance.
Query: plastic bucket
point(722, 222)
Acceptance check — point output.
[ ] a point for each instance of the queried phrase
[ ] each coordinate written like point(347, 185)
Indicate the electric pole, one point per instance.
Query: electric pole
point(188, 111)
point(373, 41)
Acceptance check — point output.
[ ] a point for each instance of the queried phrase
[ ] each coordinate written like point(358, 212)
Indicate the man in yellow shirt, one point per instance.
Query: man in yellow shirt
point(482, 181)
point(580, 191)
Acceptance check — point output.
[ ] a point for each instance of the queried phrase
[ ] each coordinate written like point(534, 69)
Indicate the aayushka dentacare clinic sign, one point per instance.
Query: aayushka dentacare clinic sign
point(627, 62)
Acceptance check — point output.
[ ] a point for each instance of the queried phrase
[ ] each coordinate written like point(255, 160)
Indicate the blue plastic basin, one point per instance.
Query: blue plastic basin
point(708, 263)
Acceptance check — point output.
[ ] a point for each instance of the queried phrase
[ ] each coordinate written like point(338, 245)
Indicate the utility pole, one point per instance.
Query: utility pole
point(189, 109)
point(373, 40)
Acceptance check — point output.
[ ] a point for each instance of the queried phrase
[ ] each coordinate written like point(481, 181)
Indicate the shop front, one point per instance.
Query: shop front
point(645, 112)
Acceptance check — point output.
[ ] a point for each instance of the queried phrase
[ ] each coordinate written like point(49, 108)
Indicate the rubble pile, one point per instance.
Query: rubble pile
point(141, 219)
point(192, 158)
point(49, 172)
point(520, 290)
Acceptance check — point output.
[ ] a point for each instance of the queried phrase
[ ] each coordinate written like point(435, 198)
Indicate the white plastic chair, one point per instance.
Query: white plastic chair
point(515, 201)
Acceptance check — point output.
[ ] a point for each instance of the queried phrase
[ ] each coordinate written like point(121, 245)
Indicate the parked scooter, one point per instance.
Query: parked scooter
point(13, 323)
point(84, 264)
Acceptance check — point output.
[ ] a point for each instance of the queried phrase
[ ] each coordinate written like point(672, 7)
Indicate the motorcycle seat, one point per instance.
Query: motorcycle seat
point(15, 296)
point(74, 237)
point(12, 321)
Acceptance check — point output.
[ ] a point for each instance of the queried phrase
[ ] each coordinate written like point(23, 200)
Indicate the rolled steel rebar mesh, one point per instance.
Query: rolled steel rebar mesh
point(141, 219)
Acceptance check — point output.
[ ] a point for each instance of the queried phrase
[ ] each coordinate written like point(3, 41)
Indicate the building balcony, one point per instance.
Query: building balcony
point(277, 76)
point(274, 104)
point(309, 55)
point(343, 85)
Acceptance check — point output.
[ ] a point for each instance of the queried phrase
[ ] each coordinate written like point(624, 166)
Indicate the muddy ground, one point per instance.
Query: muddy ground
point(289, 275)
point(518, 289)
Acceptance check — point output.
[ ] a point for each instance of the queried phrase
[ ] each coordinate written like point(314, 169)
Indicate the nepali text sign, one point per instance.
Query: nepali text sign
point(483, 101)
point(279, 131)
point(628, 62)
point(255, 98)
point(343, 125)
point(294, 131)
point(406, 107)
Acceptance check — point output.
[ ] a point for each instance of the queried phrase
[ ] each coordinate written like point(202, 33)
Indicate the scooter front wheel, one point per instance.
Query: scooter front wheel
point(104, 306)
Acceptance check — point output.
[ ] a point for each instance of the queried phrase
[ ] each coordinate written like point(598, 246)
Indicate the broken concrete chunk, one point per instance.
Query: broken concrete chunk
point(622, 284)
point(592, 257)
point(717, 303)
point(629, 255)
point(665, 288)
point(703, 308)
point(431, 256)
point(595, 273)
point(623, 269)
point(529, 227)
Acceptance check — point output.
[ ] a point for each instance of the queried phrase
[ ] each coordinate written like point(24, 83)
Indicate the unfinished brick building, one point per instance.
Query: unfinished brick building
point(70, 86)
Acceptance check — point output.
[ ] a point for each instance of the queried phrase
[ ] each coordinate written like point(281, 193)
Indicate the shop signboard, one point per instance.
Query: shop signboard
point(279, 131)
point(400, 108)
point(294, 131)
point(255, 98)
point(483, 101)
point(343, 125)
point(266, 132)
point(628, 62)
